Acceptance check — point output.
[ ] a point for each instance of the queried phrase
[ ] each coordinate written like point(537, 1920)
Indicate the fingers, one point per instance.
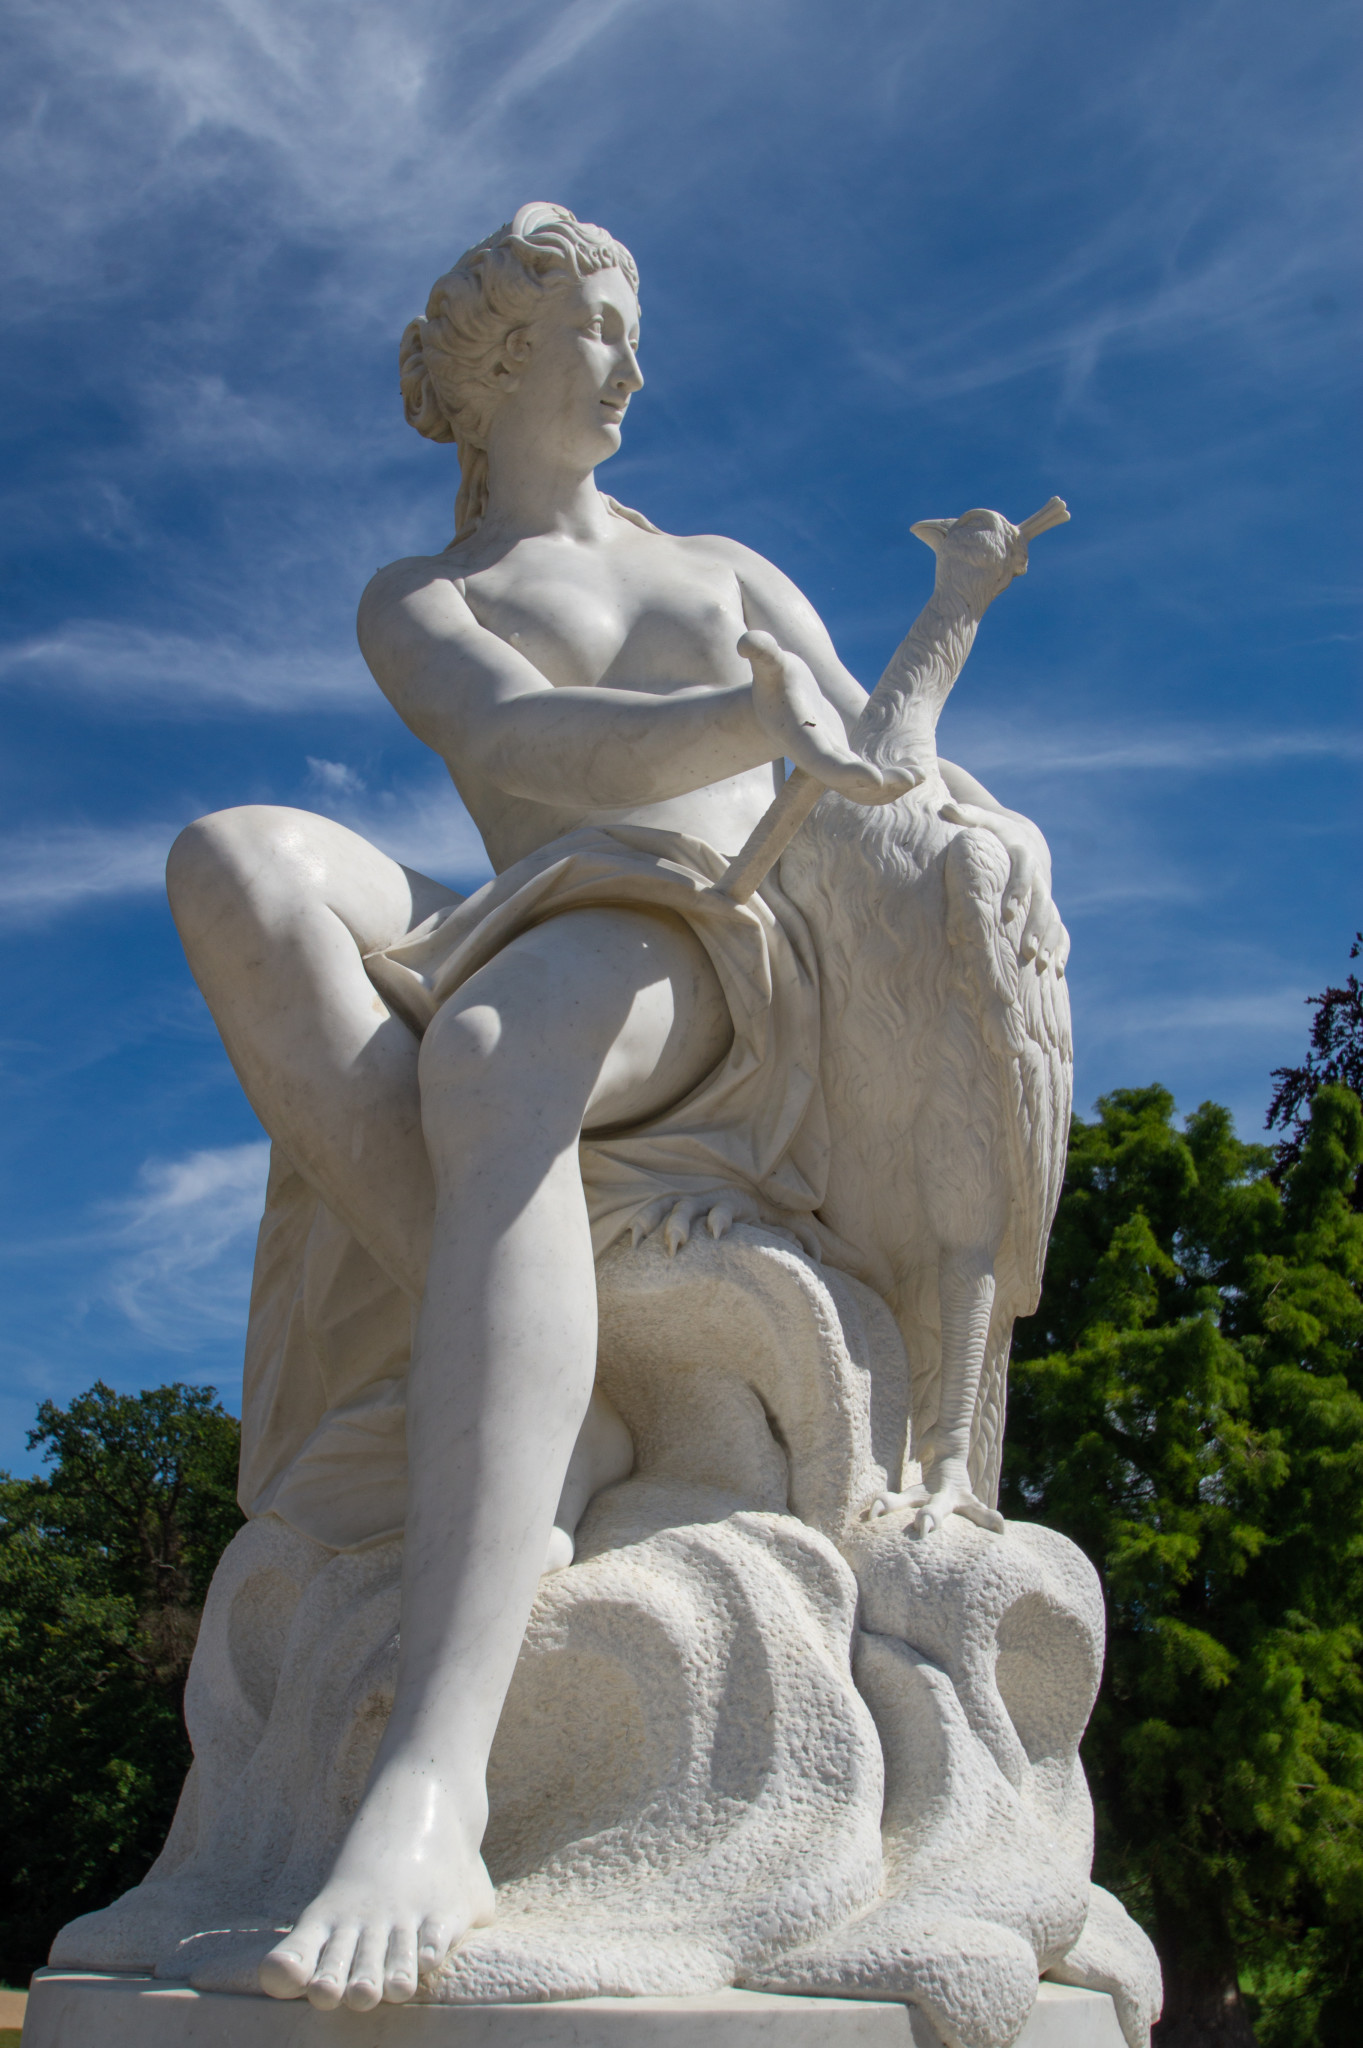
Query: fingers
point(759, 647)
point(1040, 915)
point(797, 718)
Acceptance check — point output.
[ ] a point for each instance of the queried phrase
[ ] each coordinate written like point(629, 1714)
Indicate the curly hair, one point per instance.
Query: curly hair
point(456, 366)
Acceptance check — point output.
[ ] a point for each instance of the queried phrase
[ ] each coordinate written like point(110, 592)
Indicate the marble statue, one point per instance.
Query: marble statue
point(624, 1607)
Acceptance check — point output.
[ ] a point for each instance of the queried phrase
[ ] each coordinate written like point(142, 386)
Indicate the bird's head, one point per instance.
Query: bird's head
point(979, 554)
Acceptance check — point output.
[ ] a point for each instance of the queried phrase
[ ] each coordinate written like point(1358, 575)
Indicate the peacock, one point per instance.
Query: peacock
point(947, 1058)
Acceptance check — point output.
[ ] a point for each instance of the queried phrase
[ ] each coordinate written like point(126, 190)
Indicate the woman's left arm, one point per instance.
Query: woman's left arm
point(773, 604)
point(1028, 895)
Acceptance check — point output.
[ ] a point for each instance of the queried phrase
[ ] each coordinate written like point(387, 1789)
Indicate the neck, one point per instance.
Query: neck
point(527, 496)
point(898, 728)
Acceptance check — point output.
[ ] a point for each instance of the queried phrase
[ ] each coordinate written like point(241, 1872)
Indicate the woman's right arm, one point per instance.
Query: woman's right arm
point(481, 705)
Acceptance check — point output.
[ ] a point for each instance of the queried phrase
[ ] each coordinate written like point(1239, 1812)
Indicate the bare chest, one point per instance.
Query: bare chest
point(652, 615)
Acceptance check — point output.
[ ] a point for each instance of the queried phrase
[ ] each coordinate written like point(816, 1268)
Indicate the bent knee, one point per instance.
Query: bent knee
point(479, 1090)
point(463, 1043)
point(220, 860)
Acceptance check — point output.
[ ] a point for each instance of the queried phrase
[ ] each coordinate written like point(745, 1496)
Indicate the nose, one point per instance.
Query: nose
point(629, 377)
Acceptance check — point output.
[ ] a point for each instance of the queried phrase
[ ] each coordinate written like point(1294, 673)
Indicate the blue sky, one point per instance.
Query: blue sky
point(899, 257)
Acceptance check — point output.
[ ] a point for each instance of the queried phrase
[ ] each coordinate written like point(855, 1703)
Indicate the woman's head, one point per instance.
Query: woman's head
point(460, 363)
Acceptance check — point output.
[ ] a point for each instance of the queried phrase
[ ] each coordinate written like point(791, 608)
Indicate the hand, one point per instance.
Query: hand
point(801, 723)
point(1027, 894)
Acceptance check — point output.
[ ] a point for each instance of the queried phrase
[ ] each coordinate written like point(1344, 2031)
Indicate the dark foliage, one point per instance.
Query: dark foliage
point(1188, 1406)
point(1336, 1054)
point(104, 1565)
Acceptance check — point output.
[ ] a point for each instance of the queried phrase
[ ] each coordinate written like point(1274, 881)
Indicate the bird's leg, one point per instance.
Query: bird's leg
point(966, 1287)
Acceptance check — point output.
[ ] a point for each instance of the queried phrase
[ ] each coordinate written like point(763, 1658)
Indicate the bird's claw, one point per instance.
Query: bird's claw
point(948, 1492)
point(887, 1502)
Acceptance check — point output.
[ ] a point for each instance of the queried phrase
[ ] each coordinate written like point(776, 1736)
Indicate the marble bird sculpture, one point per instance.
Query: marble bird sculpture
point(947, 1059)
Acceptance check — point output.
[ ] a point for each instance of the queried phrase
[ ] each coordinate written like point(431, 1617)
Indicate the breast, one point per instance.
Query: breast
point(645, 619)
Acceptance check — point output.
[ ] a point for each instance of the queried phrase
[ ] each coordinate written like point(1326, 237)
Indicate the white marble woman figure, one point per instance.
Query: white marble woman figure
point(613, 704)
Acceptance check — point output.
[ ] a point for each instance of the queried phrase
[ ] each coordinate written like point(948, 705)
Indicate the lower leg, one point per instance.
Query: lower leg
point(512, 1296)
point(966, 1291)
point(614, 1018)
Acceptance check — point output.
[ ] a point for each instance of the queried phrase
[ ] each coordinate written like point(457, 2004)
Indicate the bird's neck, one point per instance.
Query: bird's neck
point(898, 728)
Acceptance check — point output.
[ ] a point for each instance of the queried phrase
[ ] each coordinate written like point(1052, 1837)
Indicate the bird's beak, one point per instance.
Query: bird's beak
point(932, 530)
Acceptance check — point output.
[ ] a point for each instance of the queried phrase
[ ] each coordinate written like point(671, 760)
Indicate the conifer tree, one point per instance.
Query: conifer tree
point(1187, 1405)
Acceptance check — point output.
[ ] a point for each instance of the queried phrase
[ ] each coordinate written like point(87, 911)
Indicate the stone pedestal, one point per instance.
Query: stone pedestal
point(79, 2009)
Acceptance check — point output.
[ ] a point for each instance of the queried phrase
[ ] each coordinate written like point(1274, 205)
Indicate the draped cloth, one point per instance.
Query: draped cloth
point(756, 1123)
point(324, 1393)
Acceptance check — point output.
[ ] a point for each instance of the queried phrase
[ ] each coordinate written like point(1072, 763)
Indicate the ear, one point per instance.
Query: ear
point(516, 347)
point(932, 531)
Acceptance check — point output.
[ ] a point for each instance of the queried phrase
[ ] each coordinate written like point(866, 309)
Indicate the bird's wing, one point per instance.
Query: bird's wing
point(1025, 1018)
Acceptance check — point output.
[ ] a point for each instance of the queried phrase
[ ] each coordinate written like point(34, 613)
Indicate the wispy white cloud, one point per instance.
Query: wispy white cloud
point(422, 824)
point(52, 869)
point(178, 1249)
point(335, 777)
point(353, 119)
point(1045, 748)
point(1253, 1013)
point(179, 673)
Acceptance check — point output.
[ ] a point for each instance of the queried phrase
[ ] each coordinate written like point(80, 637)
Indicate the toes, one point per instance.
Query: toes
point(646, 1222)
point(720, 1220)
point(433, 1945)
point(330, 1978)
point(399, 1978)
point(365, 1987)
point(286, 1970)
point(677, 1229)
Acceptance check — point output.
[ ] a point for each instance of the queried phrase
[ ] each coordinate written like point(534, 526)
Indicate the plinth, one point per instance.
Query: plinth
point(79, 2009)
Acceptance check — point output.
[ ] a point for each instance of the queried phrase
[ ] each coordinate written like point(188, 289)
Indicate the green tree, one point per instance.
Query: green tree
point(104, 1565)
point(1188, 1406)
point(1335, 1054)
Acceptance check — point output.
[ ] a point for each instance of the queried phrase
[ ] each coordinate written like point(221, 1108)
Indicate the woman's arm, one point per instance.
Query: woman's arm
point(773, 604)
point(966, 790)
point(1028, 894)
point(480, 703)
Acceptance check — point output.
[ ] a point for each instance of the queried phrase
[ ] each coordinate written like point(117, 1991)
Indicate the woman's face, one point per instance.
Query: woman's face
point(576, 372)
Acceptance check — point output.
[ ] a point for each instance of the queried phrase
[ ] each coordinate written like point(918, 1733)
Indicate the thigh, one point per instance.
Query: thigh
point(592, 1019)
point(269, 864)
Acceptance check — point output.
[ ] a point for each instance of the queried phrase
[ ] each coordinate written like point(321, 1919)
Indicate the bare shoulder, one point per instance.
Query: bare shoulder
point(770, 599)
point(717, 547)
point(414, 572)
point(760, 579)
point(387, 595)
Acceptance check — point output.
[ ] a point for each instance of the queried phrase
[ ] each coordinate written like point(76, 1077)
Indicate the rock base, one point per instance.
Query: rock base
point(73, 2009)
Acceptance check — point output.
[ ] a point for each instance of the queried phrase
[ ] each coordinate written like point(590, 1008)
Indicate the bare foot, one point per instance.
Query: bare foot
point(950, 1493)
point(407, 1884)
